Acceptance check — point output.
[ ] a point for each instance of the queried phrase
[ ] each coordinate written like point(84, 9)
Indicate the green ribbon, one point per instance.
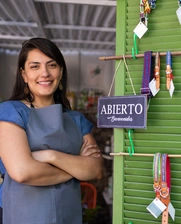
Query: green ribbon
point(135, 48)
point(130, 150)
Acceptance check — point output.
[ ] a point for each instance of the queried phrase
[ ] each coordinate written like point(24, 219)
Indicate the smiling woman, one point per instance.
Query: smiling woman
point(46, 148)
point(42, 76)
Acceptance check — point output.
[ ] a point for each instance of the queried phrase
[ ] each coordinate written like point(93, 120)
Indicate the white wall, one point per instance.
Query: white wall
point(80, 66)
point(72, 59)
point(89, 62)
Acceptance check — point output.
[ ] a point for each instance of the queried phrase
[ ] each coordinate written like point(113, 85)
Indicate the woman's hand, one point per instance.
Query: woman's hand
point(89, 150)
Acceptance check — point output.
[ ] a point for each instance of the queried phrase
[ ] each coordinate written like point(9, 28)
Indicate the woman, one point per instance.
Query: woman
point(46, 148)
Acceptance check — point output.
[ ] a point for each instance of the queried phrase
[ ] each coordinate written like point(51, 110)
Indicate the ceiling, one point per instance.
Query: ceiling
point(83, 25)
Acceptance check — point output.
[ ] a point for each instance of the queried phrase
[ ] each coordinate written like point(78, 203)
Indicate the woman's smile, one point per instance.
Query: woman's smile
point(44, 83)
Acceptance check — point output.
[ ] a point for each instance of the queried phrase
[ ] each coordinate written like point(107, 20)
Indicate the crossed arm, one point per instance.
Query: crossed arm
point(46, 167)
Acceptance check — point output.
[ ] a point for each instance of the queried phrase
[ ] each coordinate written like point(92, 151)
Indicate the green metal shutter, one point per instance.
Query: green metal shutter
point(133, 180)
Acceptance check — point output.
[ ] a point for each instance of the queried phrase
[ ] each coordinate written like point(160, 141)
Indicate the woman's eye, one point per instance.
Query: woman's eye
point(52, 65)
point(34, 66)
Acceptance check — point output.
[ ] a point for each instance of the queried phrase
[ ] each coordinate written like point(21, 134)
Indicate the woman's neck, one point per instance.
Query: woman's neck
point(39, 104)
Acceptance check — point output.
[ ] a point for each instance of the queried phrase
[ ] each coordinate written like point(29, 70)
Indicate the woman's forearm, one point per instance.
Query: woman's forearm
point(81, 167)
point(41, 174)
point(23, 168)
point(86, 166)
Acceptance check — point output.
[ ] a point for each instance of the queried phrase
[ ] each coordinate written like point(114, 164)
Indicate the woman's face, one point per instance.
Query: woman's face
point(42, 74)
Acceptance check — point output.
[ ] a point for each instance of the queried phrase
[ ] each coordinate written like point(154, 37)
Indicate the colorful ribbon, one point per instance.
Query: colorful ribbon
point(165, 186)
point(147, 74)
point(157, 173)
point(169, 75)
point(157, 70)
point(153, 4)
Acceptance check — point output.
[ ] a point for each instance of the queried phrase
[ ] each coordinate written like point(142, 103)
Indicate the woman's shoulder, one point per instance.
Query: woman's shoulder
point(15, 112)
point(82, 122)
point(75, 114)
point(12, 104)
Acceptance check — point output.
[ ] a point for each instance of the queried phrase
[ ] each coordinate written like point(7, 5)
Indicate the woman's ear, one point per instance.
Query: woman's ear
point(23, 75)
point(61, 72)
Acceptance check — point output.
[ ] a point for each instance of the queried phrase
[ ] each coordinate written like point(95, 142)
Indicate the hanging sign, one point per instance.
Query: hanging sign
point(122, 112)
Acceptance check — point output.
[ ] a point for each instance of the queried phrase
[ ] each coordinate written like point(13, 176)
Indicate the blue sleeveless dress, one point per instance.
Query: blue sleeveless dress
point(46, 128)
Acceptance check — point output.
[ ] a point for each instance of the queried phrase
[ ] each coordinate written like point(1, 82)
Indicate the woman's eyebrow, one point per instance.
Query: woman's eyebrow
point(50, 61)
point(35, 62)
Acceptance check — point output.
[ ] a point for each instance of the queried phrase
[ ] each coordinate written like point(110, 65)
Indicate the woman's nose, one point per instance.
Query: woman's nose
point(45, 71)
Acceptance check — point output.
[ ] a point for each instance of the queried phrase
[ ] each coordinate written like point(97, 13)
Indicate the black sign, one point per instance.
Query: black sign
point(122, 112)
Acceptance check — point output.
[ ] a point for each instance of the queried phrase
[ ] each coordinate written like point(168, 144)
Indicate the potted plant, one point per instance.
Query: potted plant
point(89, 214)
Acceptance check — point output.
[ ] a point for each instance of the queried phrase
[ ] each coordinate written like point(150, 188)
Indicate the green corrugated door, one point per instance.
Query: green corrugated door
point(133, 180)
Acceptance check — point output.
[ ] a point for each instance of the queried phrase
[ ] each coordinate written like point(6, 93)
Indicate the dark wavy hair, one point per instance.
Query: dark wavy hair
point(51, 50)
